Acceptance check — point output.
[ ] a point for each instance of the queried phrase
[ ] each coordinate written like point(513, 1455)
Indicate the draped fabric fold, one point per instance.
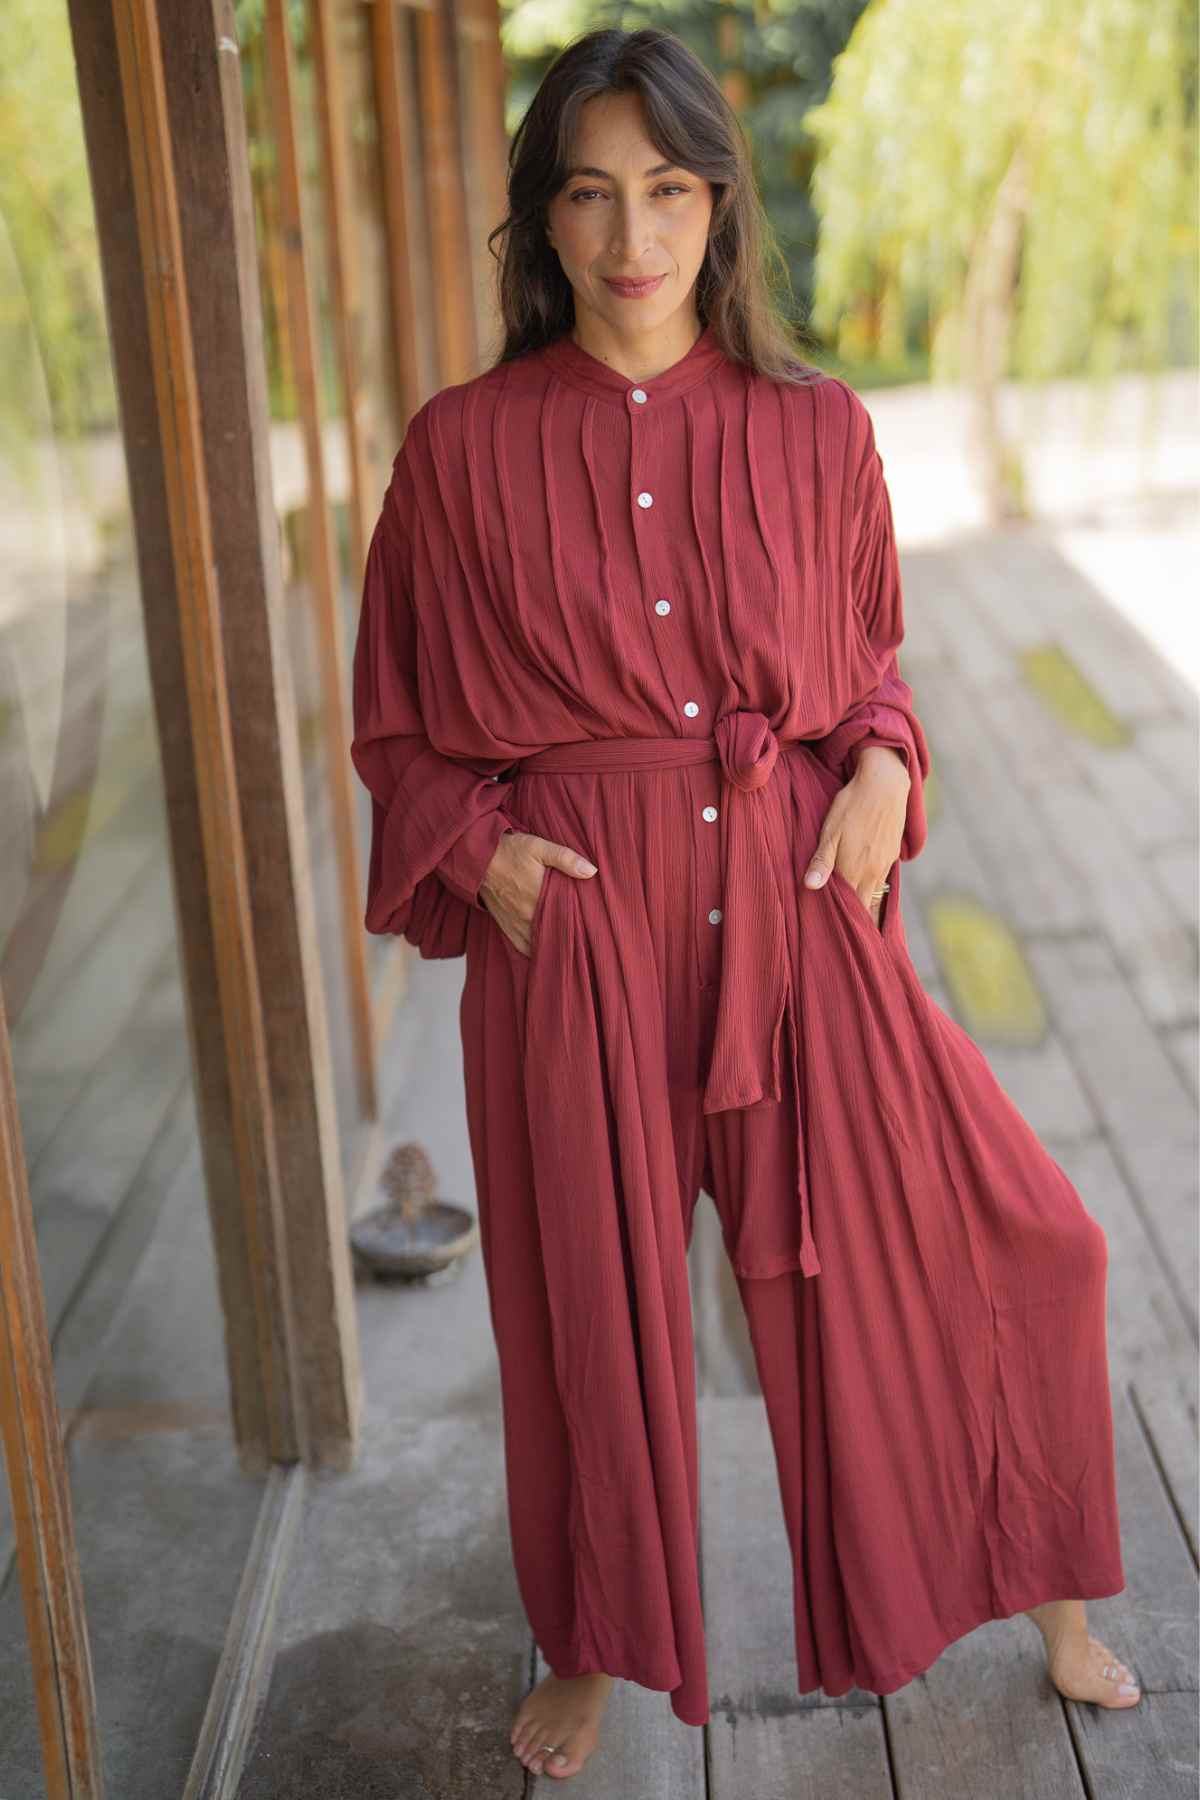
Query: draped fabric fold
point(886, 714)
point(436, 821)
point(755, 1054)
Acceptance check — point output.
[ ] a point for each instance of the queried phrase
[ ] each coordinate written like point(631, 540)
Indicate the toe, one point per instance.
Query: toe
point(560, 1768)
point(538, 1754)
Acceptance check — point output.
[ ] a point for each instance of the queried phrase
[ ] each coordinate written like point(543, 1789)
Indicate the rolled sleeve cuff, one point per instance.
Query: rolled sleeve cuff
point(467, 861)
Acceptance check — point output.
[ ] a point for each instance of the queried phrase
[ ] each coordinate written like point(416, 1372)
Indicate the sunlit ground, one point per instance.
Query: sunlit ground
point(1118, 485)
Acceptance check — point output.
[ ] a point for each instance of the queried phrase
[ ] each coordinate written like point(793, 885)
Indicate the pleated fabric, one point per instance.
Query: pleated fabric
point(658, 624)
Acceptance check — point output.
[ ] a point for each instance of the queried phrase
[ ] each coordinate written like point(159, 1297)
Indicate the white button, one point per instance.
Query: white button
point(690, 708)
point(662, 606)
point(710, 812)
point(645, 499)
point(638, 394)
point(714, 917)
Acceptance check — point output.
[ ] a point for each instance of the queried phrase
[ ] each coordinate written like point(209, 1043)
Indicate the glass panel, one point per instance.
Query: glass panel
point(375, 343)
point(290, 476)
point(90, 966)
point(413, 112)
point(375, 339)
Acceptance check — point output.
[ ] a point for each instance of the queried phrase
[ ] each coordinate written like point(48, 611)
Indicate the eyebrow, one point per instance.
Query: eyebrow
point(659, 169)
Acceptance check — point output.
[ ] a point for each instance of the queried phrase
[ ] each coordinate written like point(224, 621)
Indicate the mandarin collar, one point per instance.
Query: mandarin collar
point(583, 370)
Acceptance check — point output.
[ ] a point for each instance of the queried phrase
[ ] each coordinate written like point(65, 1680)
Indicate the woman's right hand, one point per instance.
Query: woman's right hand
point(514, 878)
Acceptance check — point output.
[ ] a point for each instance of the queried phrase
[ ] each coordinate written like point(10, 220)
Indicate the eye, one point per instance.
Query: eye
point(669, 187)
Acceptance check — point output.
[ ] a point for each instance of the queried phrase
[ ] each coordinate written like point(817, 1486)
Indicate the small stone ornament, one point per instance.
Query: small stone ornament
point(412, 1235)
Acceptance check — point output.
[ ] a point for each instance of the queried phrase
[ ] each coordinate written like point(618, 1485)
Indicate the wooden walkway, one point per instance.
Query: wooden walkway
point(1054, 912)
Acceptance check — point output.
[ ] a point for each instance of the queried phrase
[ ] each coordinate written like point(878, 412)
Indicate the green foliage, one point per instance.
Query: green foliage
point(882, 138)
point(53, 330)
point(1080, 114)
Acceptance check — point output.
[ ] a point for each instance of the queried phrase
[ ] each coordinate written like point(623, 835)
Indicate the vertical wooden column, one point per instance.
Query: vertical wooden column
point(343, 264)
point(391, 61)
point(167, 152)
point(212, 160)
point(481, 88)
point(205, 695)
point(323, 567)
point(30, 1429)
point(450, 250)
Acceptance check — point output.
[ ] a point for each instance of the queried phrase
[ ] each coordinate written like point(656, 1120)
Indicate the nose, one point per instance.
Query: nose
point(631, 235)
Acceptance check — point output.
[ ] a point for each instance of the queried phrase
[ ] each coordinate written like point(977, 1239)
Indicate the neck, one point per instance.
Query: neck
point(641, 355)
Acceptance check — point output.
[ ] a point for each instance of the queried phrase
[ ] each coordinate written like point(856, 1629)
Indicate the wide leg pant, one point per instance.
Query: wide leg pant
point(937, 1395)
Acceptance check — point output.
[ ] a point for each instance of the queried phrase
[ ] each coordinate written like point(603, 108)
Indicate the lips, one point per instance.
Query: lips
point(633, 290)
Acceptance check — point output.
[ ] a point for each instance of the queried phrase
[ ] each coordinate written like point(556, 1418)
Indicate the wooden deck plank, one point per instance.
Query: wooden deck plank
point(1158, 1761)
point(1151, 1749)
point(1150, 1347)
point(984, 1720)
point(1152, 1625)
point(643, 1750)
point(1145, 1110)
point(1027, 873)
point(766, 1739)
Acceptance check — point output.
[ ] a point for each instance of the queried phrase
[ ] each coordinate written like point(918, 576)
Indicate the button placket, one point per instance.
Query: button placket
point(706, 846)
point(664, 640)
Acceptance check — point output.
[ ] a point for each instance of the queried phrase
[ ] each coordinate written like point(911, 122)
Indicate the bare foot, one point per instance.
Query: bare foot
point(1090, 1671)
point(565, 1713)
point(1080, 1665)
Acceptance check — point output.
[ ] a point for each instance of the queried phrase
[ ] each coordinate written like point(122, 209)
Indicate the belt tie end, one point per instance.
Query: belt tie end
point(756, 1003)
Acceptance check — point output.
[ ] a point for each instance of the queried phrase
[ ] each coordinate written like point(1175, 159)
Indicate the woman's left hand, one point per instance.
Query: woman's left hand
point(864, 826)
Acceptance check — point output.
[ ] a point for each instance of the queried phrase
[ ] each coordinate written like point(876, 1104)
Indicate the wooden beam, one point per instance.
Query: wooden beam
point(482, 83)
point(343, 266)
point(59, 1654)
point(446, 203)
point(393, 86)
point(188, 524)
point(212, 161)
point(323, 566)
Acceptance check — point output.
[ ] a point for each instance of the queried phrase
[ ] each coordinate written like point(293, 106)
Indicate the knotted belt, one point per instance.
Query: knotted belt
point(757, 1000)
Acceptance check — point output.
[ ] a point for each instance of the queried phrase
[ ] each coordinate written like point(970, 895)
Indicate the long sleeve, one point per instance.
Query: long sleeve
point(886, 715)
point(435, 822)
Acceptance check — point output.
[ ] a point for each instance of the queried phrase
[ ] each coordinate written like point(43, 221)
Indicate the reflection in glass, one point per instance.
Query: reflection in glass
point(90, 966)
point(293, 501)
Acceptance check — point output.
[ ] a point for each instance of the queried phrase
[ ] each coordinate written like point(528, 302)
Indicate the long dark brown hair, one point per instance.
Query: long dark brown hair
point(693, 126)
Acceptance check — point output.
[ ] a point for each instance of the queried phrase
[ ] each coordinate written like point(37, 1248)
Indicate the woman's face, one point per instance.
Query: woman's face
point(623, 212)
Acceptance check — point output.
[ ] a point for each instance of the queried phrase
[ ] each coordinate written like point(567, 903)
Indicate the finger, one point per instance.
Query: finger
point(822, 862)
point(561, 856)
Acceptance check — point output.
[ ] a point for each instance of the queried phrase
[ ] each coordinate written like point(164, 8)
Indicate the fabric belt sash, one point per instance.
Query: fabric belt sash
point(757, 1001)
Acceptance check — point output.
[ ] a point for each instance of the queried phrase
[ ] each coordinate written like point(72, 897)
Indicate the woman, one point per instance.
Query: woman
point(626, 668)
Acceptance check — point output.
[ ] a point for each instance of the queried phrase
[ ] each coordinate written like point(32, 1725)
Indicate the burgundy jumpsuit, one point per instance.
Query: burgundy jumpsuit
point(656, 624)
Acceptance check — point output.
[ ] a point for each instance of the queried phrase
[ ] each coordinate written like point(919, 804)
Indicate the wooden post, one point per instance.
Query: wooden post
point(393, 82)
point(446, 203)
point(59, 1655)
point(165, 134)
